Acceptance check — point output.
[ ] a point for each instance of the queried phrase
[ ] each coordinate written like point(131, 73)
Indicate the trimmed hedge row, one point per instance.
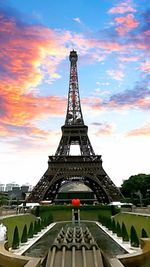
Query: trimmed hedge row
point(34, 228)
point(64, 212)
point(121, 230)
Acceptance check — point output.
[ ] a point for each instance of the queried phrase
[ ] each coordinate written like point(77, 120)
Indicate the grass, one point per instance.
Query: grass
point(58, 212)
point(20, 221)
point(138, 221)
point(64, 212)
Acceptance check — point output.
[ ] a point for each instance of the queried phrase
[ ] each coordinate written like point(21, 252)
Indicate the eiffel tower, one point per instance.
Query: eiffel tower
point(63, 167)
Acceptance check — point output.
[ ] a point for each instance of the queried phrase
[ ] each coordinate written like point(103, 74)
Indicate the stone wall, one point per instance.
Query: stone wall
point(11, 260)
point(139, 258)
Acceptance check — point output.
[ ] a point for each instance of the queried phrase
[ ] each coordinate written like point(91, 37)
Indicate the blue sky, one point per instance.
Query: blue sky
point(112, 39)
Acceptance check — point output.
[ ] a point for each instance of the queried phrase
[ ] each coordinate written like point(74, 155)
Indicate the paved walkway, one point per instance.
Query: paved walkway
point(12, 215)
point(138, 213)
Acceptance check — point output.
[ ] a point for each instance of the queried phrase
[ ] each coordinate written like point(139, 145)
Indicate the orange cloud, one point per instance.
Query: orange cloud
point(144, 131)
point(27, 129)
point(126, 24)
point(121, 8)
point(18, 110)
point(28, 55)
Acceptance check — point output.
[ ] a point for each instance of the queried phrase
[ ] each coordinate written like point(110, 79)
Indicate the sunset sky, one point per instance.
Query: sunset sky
point(112, 39)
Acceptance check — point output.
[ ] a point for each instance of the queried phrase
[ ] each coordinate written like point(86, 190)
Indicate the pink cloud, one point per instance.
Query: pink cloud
point(28, 54)
point(125, 24)
point(143, 131)
point(147, 33)
point(126, 59)
point(121, 8)
point(21, 111)
point(146, 66)
point(104, 129)
point(116, 74)
point(27, 129)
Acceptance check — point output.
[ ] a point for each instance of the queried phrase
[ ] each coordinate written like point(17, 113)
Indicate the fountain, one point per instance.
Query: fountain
point(3, 231)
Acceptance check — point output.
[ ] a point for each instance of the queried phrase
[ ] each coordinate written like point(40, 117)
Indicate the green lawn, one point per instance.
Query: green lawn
point(138, 221)
point(58, 213)
point(64, 212)
point(20, 221)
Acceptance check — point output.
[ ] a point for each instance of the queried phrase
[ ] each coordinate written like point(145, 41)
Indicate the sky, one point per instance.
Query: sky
point(112, 40)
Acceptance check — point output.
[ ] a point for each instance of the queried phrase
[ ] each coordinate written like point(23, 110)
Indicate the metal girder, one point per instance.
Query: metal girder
point(87, 167)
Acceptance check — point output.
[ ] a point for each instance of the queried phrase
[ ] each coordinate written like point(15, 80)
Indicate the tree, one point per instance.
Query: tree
point(37, 211)
point(119, 234)
point(125, 235)
point(39, 225)
point(35, 228)
point(114, 226)
point(15, 243)
point(136, 184)
point(24, 236)
point(3, 200)
point(144, 233)
point(30, 232)
point(133, 237)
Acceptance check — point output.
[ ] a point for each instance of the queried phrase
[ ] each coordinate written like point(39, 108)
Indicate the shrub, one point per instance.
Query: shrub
point(39, 225)
point(37, 211)
point(15, 243)
point(102, 220)
point(50, 218)
point(35, 228)
point(144, 233)
point(42, 223)
point(133, 237)
point(30, 232)
point(119, 234)
point(110, 224)
point(125, 235)
point(24, 236)
point(114, 210)
point(114, 228)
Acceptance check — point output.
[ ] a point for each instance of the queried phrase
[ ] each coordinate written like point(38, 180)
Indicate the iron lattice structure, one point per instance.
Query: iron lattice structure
point(63, 167)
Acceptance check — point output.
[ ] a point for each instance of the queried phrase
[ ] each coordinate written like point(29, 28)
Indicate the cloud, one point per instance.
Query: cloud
point(145, 66)
point(136, 98)
point(30, 55)
point(21, 130)
point(121, 8)
point(103, 128)
point(128, 59)
point(125, 24)
point(20, 110)
point(77, 20)
point(116, 74)
point(143, 131)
